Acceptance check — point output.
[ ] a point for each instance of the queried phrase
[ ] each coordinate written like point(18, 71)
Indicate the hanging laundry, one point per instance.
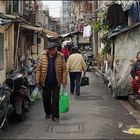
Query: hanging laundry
point(115, 15)
point(134, 12)
point(87, 31)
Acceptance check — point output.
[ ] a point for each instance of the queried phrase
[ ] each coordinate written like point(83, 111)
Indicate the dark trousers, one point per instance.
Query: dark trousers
point(51, 100)
point(75, 78)
point(66, 58)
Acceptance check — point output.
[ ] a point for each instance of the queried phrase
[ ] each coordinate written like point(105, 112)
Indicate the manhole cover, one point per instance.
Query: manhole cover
point(84, 98)
point(65, 128)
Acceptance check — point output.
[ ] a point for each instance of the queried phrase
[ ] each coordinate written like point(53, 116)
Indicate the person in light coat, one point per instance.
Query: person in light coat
point(75, 66)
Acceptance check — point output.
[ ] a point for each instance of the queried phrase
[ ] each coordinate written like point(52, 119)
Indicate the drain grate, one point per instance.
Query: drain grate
point(65, 128)
point(85, 98)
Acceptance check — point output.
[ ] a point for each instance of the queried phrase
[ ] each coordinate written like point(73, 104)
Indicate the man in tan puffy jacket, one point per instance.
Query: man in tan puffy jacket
point(50, 74)
point(75, 66)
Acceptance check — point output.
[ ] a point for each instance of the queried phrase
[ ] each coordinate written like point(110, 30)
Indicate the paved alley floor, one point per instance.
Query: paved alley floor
point(95, 114)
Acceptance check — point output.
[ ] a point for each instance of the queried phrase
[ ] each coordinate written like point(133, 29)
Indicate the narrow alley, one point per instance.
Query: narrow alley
point(95, 114)
point(42, 41)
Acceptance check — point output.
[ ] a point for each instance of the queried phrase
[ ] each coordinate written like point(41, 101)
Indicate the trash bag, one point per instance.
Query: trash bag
point(36, 94)
point(63, 101)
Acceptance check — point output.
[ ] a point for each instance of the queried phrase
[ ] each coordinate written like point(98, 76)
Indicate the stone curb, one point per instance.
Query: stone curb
point(98, 72)
point(135, 103)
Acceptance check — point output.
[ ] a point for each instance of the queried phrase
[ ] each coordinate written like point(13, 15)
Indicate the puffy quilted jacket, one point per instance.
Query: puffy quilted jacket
point(42, 67)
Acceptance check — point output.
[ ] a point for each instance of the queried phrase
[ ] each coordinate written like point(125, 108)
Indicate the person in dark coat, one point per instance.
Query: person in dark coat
point(51, 73)
point(135, 73)
point(136, 67)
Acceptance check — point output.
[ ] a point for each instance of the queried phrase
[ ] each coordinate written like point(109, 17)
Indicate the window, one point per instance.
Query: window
point(15, 6)
point(90, 7)
point(1, 51)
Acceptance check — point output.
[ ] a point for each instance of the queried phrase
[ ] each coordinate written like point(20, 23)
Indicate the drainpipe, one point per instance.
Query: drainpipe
point(37, 44)
point(16, 51)
point(95, 33)
point(113, 52)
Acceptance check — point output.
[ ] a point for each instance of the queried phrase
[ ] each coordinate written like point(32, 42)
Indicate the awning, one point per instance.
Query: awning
point(71, 34)
point(6, 16)
point(123, 30)
point(29, 27)
point(50, 34)
point(4, 21)
point(66, 35)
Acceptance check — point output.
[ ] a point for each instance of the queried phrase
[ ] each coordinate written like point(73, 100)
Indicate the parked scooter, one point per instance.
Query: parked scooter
point(30, 69)
point(5, 106)
point(88, 57)
point(19, 97)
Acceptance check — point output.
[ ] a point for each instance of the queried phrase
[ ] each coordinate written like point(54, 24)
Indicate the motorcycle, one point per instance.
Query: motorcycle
point(88, 57)
point(30, 70)
point(19, 98)
point(30, 67)
point(5, 106)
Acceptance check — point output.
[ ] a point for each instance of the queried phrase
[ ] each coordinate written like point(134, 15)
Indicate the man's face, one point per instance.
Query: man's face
point(139, 56)
point(52, 51)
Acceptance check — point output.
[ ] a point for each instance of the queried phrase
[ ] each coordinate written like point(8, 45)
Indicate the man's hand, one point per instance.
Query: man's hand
point(64, 86)
point(136, 77)
point(38, 86)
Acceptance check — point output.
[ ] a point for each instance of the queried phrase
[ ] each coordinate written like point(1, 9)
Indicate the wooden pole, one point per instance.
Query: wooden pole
point(37, 45)
point(17, 43)
point(95, 33)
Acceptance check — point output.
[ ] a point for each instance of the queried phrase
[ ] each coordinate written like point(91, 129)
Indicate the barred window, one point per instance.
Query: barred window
point(15, 6)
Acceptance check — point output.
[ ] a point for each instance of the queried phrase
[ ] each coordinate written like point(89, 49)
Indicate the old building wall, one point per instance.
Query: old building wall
point(126, 48)
point(2, 6)
point(9, 37)
point(3, 71)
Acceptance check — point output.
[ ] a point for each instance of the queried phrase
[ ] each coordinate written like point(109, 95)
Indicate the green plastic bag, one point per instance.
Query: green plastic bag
point(64, 101)
point(36, 94)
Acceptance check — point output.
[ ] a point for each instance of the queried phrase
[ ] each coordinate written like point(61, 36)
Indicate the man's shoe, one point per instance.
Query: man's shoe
point(19, 117)
point(55, 119)
point(47, 117)
point(78, 94)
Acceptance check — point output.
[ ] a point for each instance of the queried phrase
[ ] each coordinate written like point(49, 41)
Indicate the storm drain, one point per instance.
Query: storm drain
point(87, 98)
point(65, 128)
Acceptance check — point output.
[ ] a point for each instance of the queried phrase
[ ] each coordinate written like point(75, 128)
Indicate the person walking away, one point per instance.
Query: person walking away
point(75, 66)
point(65, 51)
point(50, 75)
